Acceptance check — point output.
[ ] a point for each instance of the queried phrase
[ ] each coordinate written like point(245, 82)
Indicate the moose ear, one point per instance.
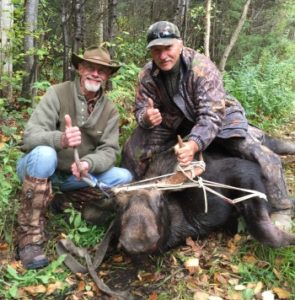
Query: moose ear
point(122, 198)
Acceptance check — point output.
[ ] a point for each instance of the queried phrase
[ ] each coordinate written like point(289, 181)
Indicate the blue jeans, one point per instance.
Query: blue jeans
point(41, 162)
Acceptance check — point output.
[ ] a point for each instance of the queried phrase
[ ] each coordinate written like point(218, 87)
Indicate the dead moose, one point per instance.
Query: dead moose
point(152, 221)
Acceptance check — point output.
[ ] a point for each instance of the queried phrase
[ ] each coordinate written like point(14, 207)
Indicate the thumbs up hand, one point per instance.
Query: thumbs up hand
point(152, 115)
point(71, 137)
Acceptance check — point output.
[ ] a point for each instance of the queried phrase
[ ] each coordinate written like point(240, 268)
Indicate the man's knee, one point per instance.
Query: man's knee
point(123, 175)
point(42, 162)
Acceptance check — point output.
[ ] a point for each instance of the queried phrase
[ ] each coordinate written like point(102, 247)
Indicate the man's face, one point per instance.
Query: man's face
point(165, 57)
point(92, 76)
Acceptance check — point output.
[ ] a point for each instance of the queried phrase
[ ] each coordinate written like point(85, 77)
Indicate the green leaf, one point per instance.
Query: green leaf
point(77, 221)
point(83, 229)
point(11, 271)
point(13, 291)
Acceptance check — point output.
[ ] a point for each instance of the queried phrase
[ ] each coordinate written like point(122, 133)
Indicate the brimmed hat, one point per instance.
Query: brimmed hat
point(96, 55)
point(162, 33)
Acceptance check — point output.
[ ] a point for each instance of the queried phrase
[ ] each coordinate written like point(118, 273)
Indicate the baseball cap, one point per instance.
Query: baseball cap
point(162, 33)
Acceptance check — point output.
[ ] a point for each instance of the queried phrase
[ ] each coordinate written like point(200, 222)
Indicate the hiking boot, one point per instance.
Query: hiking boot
point(283, 220)
point(35, 196)
point(33, 257)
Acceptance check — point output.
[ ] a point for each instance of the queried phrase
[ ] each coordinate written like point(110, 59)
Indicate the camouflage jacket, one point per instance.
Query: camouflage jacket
point(201, 99)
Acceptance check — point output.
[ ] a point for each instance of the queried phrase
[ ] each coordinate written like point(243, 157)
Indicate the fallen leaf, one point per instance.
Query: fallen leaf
point(240, 287)
point(4, 246)
point(153, 296)
point(192, 265)
point(233, 281)
point(277, 273)
point(219, 278)
point(35, 289)
point(250, 259)
point(231, 246)
point(234, 268)
point(81, 286)
point(281, 293)
point(89, 294)
point(267, 295)
point(236, 296)
point(148, 277)
point(173, 260)
point(258, 288)
point(201, 296)
point(237, 238)
point(195, 248)
point(52, 287)
point(117, 258)
point(204, 279)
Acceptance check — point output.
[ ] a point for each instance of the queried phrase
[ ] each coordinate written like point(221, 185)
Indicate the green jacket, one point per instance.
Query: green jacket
point(100, 130)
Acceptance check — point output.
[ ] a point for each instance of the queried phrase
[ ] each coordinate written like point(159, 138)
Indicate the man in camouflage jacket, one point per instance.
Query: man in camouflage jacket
point(180, 92)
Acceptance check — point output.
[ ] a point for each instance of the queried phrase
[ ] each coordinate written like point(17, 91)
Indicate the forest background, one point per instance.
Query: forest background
point(251, 41)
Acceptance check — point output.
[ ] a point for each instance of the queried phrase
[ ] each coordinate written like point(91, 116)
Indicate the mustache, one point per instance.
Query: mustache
point(93, 78)
point(165, 60)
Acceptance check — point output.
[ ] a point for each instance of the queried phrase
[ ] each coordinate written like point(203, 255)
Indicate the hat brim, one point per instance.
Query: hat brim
point(161, 42)
point(76, 59)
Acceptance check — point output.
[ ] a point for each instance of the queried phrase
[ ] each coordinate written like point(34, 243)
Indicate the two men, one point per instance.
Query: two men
point(180, 92)
point(73, 114)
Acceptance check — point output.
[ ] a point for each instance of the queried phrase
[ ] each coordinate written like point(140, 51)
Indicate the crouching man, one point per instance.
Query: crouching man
point(73, 114)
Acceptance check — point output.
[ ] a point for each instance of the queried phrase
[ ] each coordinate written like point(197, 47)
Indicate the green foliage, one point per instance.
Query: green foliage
point(12, 280)
point(8, 185)
point(77, 230)
point(123, 95)
point(266, 89)
point(278, 266)
point(130, 48)
point(48, 47)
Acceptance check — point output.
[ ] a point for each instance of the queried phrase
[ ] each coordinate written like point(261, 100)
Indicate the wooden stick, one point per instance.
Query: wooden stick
point(180, 141)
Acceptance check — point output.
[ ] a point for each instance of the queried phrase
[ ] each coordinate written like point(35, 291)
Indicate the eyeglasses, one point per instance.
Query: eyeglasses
point(99, 68)
point(161, 35)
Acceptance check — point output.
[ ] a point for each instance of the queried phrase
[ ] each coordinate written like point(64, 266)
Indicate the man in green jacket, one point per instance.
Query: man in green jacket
point(73, 115)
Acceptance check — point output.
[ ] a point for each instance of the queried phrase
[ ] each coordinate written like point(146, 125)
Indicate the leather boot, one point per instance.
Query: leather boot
point(282, 205)
point(94, 205)
point(35, 196)
point(282, 214)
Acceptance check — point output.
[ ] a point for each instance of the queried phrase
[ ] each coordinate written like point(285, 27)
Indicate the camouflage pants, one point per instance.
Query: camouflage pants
point(144, 143)
point(252, 148)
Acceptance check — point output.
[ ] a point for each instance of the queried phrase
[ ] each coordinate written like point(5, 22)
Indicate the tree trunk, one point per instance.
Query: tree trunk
point(234, 37)
point(78, 35)
point(67, 74)
point(31, 16)
point(185, 18)
point(6, 22)
point(111, 18)
point(102, 7)
point(207, 29)
point(177, 16)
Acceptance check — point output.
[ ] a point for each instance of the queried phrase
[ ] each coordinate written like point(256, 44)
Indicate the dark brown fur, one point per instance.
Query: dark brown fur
point(152, 221)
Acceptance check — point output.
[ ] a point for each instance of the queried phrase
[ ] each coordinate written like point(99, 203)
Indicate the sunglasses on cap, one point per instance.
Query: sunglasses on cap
point(161, 35)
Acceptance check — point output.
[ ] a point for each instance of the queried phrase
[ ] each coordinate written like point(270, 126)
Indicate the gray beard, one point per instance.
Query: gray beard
point(92, 87)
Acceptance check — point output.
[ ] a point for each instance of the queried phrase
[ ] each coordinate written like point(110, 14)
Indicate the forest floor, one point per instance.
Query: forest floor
point(218, 267)
point(213, 273)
